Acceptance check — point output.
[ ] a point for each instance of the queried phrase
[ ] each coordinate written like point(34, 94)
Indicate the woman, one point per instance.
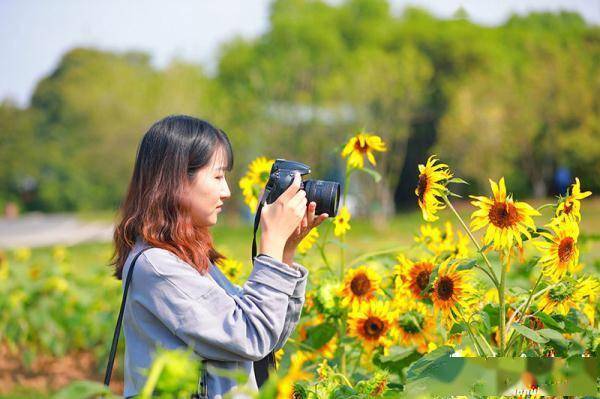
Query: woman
point(178, 297)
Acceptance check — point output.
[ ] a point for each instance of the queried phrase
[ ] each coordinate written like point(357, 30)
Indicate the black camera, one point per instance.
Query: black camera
point(326, 194)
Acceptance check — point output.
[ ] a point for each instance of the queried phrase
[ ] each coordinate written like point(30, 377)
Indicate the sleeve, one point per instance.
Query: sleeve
point(216, 325)
point(294, 309)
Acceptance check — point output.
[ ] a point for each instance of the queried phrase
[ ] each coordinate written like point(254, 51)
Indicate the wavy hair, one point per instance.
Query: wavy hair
point(155, 209)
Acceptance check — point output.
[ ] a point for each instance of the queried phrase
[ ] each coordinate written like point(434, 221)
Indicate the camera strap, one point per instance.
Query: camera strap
point(262, 366)
point(203, 389)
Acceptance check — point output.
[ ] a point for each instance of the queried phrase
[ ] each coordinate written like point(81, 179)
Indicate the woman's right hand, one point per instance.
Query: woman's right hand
point(280, 219)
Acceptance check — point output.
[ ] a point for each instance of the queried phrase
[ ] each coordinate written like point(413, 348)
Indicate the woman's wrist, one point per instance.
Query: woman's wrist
point(288, 256)
point(273, 248)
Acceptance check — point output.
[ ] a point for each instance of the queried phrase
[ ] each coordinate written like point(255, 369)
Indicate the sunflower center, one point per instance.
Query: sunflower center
point(360, 285)
point(561, 293)
point(373, 327)
point(411, 322)
point(566, 249)
point(360, 147)
point(423, 279)
point(568, 207)
point(445, 288)
point(503, 214)
point(422, 186)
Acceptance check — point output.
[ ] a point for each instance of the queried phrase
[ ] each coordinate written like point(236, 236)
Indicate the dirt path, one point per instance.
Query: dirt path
point(37, 230)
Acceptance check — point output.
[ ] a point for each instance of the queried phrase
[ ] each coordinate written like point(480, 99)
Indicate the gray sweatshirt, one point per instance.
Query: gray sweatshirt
point(171, 305)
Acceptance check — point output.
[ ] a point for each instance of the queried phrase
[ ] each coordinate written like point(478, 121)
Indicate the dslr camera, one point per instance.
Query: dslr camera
point(326, 194)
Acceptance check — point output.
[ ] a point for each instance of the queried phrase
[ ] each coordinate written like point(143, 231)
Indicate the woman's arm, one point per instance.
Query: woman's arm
point(294, 309)
point(204, 316)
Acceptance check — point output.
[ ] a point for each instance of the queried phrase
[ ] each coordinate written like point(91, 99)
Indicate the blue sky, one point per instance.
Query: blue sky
point(35, 33)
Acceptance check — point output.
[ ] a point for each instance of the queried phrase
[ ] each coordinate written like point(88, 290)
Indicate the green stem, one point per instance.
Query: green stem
point(502, 323)
point(342, 253)
point(357, 360)
point(527, 303)
point(490, 272)
point(478, 348)
point(153, 376)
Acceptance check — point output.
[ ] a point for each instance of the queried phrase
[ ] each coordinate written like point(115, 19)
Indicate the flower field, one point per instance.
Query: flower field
point(476, 275)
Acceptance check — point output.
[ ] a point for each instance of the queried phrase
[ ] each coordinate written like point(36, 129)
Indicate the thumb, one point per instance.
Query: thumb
point(292, 189)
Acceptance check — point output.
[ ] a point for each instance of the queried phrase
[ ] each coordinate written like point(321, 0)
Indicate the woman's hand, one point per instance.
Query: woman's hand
point(309, 222)
point(282, 218)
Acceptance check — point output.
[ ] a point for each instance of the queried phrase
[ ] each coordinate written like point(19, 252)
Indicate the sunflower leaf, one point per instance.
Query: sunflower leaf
point(550, 321)
point(529, 333)
point(374, 174)
point(437, 364)
point(555, 337)
point(457, 180)
point(486, 246)
point(454, 194)
point(466, 266)
point(319, 335)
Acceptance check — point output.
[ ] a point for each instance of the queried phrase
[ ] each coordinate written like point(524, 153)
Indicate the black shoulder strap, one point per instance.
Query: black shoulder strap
point(262, 366)
point(115, 341)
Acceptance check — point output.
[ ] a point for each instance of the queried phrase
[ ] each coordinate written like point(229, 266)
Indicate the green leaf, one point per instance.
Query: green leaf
point(450, 193)
point(550, 321)
point(82, 390)
point(457, 180)
point(529, 333)
point(466, 266)
point(397, 359)
point(373, 173)
point(319, 335)
point(555, 337)
point(436, 364)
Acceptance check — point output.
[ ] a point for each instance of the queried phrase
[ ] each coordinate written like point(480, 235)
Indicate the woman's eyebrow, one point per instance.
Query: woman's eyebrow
point(221, 168)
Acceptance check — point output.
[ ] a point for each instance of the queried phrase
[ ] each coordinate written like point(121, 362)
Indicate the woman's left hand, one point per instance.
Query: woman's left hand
point(309, 222)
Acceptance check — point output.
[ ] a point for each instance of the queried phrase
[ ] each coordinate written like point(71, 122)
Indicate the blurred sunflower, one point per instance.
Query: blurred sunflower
point(360, 285)
point(429, 188)
point(415, 326)
point(371, 323)
point(308, 241)
point(429, 235)
point(414, 275)
point(570, 207)
point(342, 221)
point(286, 386)
point(570, 293)
point(255, 180)
point(360, 145)
point(505, 218)
point(560, 253)
point(453, 294)
point(231, 268)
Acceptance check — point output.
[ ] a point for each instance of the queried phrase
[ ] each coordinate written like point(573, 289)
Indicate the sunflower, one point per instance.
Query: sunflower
point(342, 221)
point(360, 285)
point(570, 293)
point(231, 268)
point(453, 294)
point(429, 235)
point(560, 253)
point(413, 276)
point(429, 188)
point(360, 145)
point(308, 241)
point(255, 180)
point(505, 218)
point(414, 326)
point(286, 386)
point(371, 323)
point(570, 207)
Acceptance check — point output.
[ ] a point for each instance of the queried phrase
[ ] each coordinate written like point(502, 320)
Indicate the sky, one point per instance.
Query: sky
point(34, 34)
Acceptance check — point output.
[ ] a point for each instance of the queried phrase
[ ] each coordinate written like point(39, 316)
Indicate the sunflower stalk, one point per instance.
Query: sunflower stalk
point(502, 300)
point(490, 271)
point(527, 303)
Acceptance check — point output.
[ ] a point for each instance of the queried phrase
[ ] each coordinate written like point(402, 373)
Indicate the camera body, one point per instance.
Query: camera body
point(326, 194)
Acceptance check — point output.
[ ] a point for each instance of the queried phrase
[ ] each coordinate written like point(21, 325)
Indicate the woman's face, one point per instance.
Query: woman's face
point(208, 191)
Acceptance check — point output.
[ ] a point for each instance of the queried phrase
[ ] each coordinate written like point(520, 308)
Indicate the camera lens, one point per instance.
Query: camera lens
point(326, 194)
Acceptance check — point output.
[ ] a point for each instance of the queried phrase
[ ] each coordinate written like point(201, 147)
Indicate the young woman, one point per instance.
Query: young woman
point(178, 297)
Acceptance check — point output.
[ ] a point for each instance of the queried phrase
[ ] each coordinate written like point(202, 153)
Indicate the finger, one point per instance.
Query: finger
point(310, 212)
point(319, 219)
point(304, 223)
point(298, 198)
point(292, 189)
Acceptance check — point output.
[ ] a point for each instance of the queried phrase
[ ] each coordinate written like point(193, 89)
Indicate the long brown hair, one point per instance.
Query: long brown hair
point(154, 209)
